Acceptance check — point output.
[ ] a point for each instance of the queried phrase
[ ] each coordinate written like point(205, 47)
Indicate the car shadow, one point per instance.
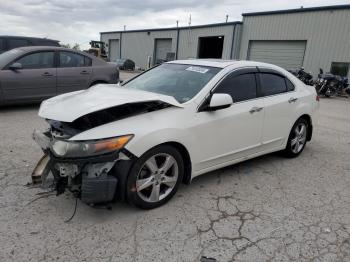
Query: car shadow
point(122, 209)
point(23, 107)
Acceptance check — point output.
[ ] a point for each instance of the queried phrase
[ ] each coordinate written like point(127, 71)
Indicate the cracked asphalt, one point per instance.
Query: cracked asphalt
point(265, 209)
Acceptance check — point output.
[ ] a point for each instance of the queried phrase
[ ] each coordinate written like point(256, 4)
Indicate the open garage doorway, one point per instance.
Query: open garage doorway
point(210, 47)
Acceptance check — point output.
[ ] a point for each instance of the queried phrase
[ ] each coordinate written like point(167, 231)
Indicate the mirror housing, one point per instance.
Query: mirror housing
point(219, 101)
point(16, 66)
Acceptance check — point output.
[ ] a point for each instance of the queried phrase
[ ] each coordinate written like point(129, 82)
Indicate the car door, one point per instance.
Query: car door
point(280, 101)
point(235, 132)
point(35, 81)
point(73, 73)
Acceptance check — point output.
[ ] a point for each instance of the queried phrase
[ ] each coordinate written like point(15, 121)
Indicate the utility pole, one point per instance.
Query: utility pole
point(226, 18)
point(124, 27)
point(177, 23)
point(189, 30)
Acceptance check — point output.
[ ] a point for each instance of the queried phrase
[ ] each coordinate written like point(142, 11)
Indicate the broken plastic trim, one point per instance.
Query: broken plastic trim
point(41, 170)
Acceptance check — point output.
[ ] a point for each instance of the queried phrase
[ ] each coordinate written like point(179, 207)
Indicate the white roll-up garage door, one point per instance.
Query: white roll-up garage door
point(163, 46)
point(287, 54)
point(113, 49)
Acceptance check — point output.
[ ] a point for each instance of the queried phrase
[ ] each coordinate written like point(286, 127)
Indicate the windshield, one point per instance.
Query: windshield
point(182, 82)
point(8, 56)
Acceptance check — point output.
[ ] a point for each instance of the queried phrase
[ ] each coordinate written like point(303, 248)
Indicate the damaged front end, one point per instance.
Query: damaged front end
point(89, 169)
point(94, 170)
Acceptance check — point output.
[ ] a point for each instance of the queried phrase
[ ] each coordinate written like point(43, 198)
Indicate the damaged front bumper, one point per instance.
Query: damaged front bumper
point(95, 179)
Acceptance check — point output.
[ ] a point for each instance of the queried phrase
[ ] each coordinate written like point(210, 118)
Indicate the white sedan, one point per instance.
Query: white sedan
point(138, 142)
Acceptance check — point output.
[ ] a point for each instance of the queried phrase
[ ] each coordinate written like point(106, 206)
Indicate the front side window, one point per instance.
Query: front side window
point(272, 84)
point(69, 59)
point(37, 60)
point(180, 81)
point(290, 86)
point(240, 87)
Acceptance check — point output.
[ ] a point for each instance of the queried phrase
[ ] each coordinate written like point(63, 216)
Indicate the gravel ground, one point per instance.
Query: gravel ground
point(265, 209)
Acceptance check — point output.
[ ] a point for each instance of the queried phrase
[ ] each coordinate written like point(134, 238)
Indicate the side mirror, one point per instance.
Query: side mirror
point(220, 101)
point(16, 66)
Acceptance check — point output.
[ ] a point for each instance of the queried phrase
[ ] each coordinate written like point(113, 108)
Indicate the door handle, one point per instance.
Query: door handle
point(255, 109)
point(84, 72)
point(47, 74)
point(292, 99)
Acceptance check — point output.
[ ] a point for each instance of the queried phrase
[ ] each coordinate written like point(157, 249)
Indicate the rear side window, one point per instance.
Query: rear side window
point(290, 86)
point(37, 60)
point(240, 87)
point(69, 59)
point(272, 84)
point(16, 42)
point(88, 61)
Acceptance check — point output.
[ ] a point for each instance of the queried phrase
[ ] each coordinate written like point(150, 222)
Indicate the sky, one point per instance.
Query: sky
point(79, 21)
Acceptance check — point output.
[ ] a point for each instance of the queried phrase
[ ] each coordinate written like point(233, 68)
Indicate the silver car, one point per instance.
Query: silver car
point(32, 74)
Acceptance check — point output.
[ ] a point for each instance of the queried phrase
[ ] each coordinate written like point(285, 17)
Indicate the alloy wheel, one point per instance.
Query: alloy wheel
point(157, 177)
point(299, 139)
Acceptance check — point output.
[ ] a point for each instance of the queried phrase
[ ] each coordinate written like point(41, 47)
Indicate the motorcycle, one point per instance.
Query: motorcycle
point(304, 76)
point(330, 85)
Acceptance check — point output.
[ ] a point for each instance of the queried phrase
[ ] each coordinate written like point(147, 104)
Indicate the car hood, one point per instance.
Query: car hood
point(68, 107)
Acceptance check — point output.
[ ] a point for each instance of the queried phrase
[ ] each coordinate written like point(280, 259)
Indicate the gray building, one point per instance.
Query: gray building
point(215, 40)
point(311, 37)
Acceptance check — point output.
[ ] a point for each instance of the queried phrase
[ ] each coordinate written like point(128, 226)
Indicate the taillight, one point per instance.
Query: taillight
point(317, 98)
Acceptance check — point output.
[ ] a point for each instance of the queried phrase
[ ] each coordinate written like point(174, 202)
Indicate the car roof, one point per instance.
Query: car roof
point(221, 63)
point(28, 37)
point(39, 48)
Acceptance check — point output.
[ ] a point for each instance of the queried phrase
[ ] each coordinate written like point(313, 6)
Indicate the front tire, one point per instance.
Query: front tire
point(155, 177)
point(297, 138)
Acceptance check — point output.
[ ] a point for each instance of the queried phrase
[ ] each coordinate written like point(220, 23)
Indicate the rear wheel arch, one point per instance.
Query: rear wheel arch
point(310, 128)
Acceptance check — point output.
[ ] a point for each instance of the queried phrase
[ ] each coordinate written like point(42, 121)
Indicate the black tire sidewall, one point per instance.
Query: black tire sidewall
point(288, 151)
point(132, 195)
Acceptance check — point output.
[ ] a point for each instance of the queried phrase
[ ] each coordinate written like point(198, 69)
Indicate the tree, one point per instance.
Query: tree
point(66, 45)
point(76, 46)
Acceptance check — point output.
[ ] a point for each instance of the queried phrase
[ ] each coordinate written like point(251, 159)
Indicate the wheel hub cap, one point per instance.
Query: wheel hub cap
point(299, 139)
point(157, 177)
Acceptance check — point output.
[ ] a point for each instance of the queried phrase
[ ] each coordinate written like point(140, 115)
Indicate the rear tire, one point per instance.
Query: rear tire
point(297, 138)
point(155, 177)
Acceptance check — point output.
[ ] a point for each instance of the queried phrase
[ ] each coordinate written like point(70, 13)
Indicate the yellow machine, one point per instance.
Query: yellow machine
point(98, 49)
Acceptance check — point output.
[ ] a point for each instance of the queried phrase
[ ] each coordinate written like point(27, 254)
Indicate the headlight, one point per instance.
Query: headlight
point(73, 149)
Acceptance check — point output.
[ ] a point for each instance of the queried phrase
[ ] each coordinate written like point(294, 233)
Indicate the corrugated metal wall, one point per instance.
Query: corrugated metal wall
point(188, 40)
point(138, 45)
point(327, 34)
